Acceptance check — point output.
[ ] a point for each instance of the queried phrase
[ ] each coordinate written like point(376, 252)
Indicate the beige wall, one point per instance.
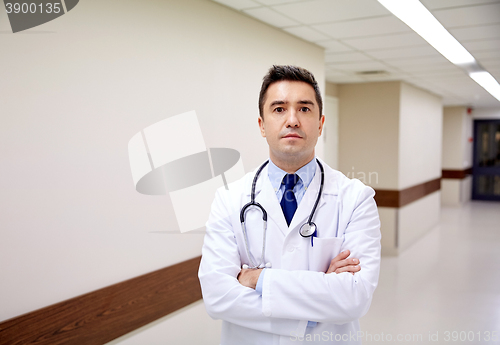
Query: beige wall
point(331, 89)
point(395, 130)
point(74, 91)
point(369, 132)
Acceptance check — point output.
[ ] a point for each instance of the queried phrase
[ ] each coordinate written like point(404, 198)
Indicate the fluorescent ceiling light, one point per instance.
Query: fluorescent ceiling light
point(487, 81)
point(417, 17)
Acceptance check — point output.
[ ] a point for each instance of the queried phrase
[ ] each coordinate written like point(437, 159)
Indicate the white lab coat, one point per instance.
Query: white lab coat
point(296, 289)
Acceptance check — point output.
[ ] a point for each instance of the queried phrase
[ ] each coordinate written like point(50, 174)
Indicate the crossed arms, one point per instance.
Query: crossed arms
point(340, 263)
point(337, 298)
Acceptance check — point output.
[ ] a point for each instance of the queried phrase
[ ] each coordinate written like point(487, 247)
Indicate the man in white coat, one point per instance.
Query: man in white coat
point(296, 290)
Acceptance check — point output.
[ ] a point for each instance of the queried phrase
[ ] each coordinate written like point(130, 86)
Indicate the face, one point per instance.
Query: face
point(292, 123)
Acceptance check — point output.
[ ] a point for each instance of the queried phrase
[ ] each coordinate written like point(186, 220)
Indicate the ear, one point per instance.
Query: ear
point(321, 124)
point(261, 126)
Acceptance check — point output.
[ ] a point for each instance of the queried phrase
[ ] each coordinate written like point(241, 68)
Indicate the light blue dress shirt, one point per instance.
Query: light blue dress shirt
point(276, 175)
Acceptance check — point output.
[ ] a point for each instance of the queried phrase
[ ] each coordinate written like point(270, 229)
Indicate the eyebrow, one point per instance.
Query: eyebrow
point(285, 102)
point(306, 102)
point(277, 102)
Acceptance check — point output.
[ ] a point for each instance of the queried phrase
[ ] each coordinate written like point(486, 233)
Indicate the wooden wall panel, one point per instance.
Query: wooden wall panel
point(395, 198)
point(456, 174)
point(106, 314)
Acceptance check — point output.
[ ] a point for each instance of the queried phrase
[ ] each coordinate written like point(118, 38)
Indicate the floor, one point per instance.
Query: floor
point(446, 287)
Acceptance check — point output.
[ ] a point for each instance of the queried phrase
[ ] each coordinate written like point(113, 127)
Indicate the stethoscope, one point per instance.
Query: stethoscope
point(307, 229)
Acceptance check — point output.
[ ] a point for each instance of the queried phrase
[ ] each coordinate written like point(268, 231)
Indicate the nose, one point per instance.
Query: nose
point(292, 120)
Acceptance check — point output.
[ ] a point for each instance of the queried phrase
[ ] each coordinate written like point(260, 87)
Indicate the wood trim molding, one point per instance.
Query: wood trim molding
point(108, 313)
point(456, 174)
point(395, 198)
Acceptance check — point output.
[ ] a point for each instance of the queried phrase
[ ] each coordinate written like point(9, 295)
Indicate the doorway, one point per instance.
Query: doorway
point(486, 168)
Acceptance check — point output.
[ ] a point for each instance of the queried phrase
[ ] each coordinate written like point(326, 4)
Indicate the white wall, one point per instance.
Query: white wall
point(420, 136)
point(457, 130)
point(330, 135)
point(457, 154)
point(417, 218)
point(453, 137)
point(456, 192)
point(74, 91)
point(420, 145)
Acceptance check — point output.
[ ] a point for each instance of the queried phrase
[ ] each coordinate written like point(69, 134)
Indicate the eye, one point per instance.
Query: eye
point(305, 109)
point(279, 109)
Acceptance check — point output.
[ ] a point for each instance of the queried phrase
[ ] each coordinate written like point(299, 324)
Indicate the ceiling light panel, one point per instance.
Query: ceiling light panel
point(417, 17)
point(363, 27)
point(271, 17)
point(322, 11)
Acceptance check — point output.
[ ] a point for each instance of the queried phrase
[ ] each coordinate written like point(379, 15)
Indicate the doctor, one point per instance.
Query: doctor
point(305, 290)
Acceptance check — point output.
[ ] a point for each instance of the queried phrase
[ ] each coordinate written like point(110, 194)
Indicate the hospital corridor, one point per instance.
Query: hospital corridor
point(249, 172)
point(446, 285)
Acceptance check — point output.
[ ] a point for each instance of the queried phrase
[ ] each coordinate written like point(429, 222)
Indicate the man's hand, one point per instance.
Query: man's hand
point(249, 276)
point(341, 263)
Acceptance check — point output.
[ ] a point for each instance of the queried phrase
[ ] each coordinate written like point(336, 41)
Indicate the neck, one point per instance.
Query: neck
point(290, 164)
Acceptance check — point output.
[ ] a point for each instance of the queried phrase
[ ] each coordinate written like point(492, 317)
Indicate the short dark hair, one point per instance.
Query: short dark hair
point(290, 73)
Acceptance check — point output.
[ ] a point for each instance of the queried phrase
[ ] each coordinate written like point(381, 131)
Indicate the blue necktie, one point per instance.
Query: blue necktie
point(288, 201)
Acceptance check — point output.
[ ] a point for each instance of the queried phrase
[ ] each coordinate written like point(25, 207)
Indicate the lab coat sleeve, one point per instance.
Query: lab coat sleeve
point(224, 297)
point(333, 298)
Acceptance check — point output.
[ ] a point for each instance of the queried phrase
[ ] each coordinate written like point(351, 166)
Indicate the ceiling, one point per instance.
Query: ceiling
point(364, 42)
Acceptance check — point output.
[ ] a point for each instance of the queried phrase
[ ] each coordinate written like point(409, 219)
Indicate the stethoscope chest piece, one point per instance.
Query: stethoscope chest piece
point(307, 229)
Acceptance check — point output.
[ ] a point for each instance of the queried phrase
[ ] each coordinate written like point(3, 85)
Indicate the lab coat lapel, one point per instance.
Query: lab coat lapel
point(266, 196)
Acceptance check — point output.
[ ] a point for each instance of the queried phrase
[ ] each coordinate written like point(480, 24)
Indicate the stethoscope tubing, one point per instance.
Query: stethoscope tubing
point(264, 215)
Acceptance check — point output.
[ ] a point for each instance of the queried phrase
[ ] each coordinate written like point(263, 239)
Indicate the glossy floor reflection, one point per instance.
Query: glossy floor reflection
point(449, 281)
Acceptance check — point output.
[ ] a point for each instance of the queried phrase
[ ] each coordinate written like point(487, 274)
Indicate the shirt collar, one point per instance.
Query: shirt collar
point(306, 174)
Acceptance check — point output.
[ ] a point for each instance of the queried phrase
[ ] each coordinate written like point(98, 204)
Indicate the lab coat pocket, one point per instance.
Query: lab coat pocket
point(323, 251)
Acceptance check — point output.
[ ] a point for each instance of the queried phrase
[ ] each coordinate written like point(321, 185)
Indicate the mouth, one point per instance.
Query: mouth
point(292, 136)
